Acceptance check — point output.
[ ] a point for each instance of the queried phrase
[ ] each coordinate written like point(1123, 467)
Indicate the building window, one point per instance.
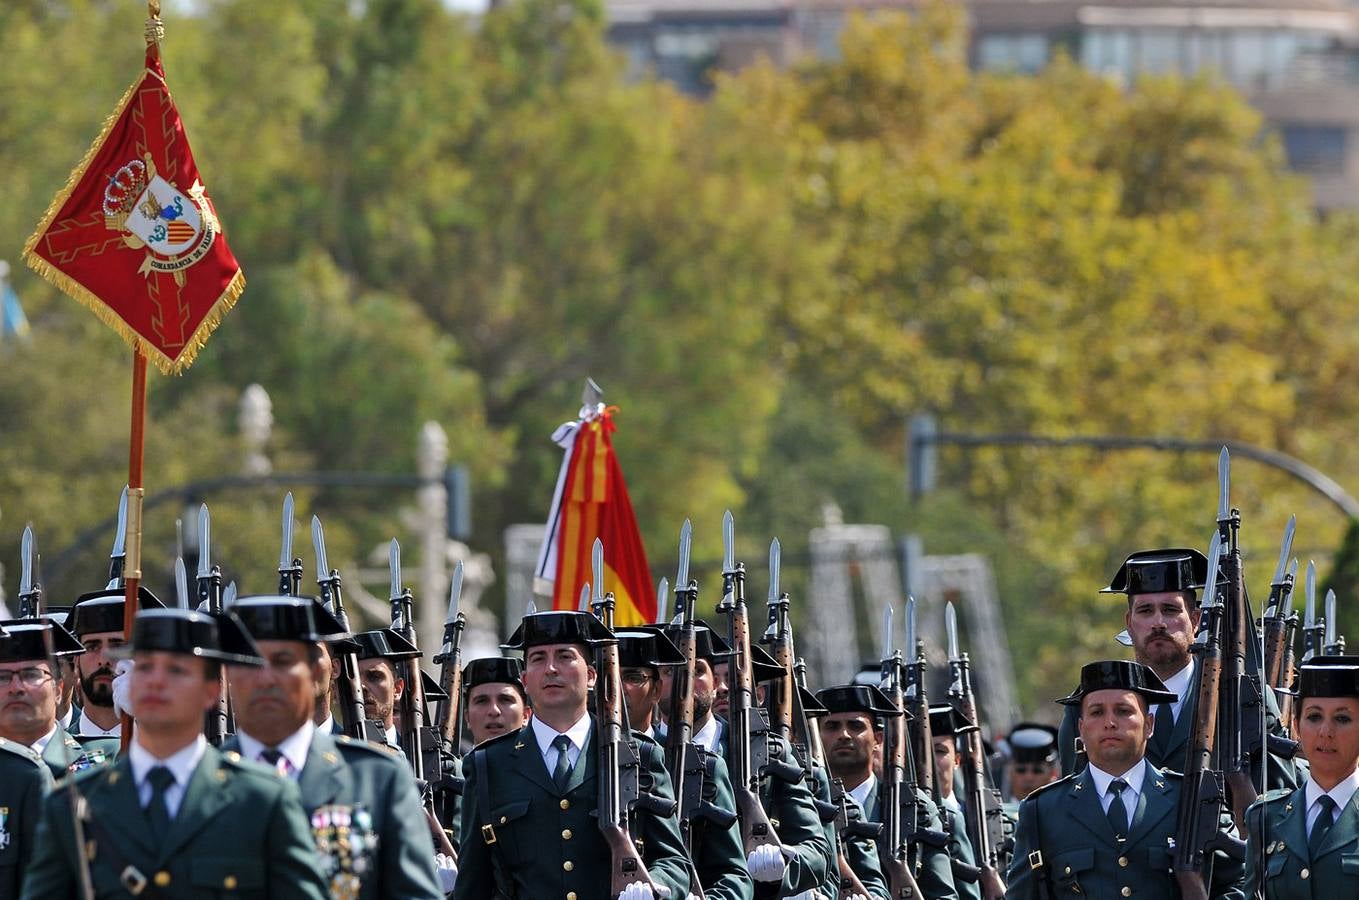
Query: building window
point(1027, 53)
point(1317, 149)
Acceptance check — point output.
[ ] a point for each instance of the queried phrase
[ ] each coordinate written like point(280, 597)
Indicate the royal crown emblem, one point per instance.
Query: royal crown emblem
point(175, 228)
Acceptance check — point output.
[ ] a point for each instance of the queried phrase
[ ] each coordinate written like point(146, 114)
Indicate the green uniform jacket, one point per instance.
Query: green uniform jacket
point(960, 848)
point(935, 872)
point(861, 853)
point(718, 858)
point(24, 781)
point(384, 849)
point(1065, 845)
point(791, 811)
point(239, 832)
point(547, 842)
point(1277, 828)
point(66, 753)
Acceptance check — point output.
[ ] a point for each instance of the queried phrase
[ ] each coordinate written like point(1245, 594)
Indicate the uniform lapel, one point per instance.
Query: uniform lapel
point(1174, 754)
point(586, 768)
point(1154, 803)
point(1085, 808)
point(529, 760)
point(124, 809)
point(1290, 824)
point(1344, 830)
point(208, 792)
point(324, 774)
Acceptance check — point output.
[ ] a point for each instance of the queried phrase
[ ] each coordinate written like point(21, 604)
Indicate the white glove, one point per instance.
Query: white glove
point(640, 890)
point(806, 895)
point(857, 897)
point(122, 688)
point(766, 863)
point(447, 868)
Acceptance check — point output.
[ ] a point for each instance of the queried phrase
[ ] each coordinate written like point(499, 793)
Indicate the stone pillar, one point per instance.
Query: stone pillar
point(256, 421)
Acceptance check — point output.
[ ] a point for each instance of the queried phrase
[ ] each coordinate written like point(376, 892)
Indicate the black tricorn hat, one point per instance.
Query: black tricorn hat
point(59, 614)
point(433, 690)
point(857, 698)
point(557, 627)
point(1329, 676)
point(646, 648)
point(708, 644)
point(1119, 675)
point(812, 707)
point(219, 636)
point(494, 670)
point(23, 640)
point(271, 617)
point(385, 643)
point(946, 719)
point(1033, 742)
point(764, 667)
point(102, 611)
point(1160, 571)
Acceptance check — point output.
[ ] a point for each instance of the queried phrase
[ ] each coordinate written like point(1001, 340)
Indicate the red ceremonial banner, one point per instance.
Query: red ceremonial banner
point(595, 504)
point(133, 235)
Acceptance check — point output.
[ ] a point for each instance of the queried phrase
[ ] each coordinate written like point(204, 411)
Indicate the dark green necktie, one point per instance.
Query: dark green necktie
point(1165, 725)
point(561, 773)
point(1320, 828)
point(1118, 813)
point(161, 778)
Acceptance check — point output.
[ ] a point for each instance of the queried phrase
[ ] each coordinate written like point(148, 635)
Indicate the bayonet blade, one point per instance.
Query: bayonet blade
point(584, 605)
point(1214, 564)
point(285, 553)
point(597, 566)
point(686, 542)
point(318, 543)
point(1330, 618)
point(1285, 550)
point(204, 542)
point(887, 631)
point(1224, 485)
point(26, 561)
point(394, 567)
point(1309, 596)
point(181, 583)
point(229, 596)
point(120, 538)
point(454, 594)
point(663, 601)
point(775, 554)
point(909, 649)
point(728, 542)
point(530, 608)
point(951, 626)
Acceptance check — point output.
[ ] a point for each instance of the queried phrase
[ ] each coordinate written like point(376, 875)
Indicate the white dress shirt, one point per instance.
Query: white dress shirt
point(91, 729)
point(706, 737)
point(860, 793)
point(65, 721)
point(392, 737)
point(577, 734)
point(1341, 794)
point(1134, 778)
point(328, 726)
point(41, 743)
point(1180, 684)
point(181, 765)
point(294, 748)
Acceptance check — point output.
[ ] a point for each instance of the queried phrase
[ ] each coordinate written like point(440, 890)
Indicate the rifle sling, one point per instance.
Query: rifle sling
point(504, 884)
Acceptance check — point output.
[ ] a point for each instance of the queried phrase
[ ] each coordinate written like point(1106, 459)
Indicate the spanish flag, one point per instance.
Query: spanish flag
point(591, 502)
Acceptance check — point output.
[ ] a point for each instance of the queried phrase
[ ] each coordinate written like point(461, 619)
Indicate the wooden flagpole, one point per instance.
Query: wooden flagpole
point(132, 569)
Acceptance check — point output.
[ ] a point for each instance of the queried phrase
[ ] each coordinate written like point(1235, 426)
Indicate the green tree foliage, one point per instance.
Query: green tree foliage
point(455, 220)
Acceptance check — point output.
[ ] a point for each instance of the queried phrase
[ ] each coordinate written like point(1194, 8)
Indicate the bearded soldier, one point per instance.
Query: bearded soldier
point(97, 620)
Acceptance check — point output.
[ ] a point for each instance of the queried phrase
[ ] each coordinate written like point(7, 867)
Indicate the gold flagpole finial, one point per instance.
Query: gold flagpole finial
point(155, 28)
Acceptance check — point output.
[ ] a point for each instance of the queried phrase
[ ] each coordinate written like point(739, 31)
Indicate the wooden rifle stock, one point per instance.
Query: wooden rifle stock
point(1202, 797)
point(983, 815)
point(348, 682)
point(895, 844)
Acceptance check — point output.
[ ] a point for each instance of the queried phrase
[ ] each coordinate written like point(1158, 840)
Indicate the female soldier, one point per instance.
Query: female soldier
point(1311, 835)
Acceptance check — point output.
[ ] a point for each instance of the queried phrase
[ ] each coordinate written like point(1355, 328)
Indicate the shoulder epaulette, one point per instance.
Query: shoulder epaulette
point(643, 737)
point(499, 739)
point(1064, 780)
point(361, 747)
point(21, 750)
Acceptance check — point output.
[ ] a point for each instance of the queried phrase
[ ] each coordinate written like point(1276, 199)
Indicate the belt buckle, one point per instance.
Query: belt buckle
point(132, 879)
point(1036, 859)
point(488, 834)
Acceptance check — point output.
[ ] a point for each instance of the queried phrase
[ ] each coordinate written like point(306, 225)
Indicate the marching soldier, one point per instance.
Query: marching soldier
point(496, 703)
point(1109, 830)
point(1033, 761)
point(29, 688)
point(641, 656)
point(97, 621)
point(1303, 843)
point(1162, 619)
point(382, 687)
point(719, 862)
point(176, 817)
point(945, 725)
point(360, 800)
point(528, 825)
point(24, 781)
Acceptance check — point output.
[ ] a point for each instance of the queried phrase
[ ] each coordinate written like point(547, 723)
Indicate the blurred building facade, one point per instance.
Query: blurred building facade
point(1297, 61)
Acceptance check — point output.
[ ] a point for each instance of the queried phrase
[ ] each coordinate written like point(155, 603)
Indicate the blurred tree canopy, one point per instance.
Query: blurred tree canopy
point(453, 219)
